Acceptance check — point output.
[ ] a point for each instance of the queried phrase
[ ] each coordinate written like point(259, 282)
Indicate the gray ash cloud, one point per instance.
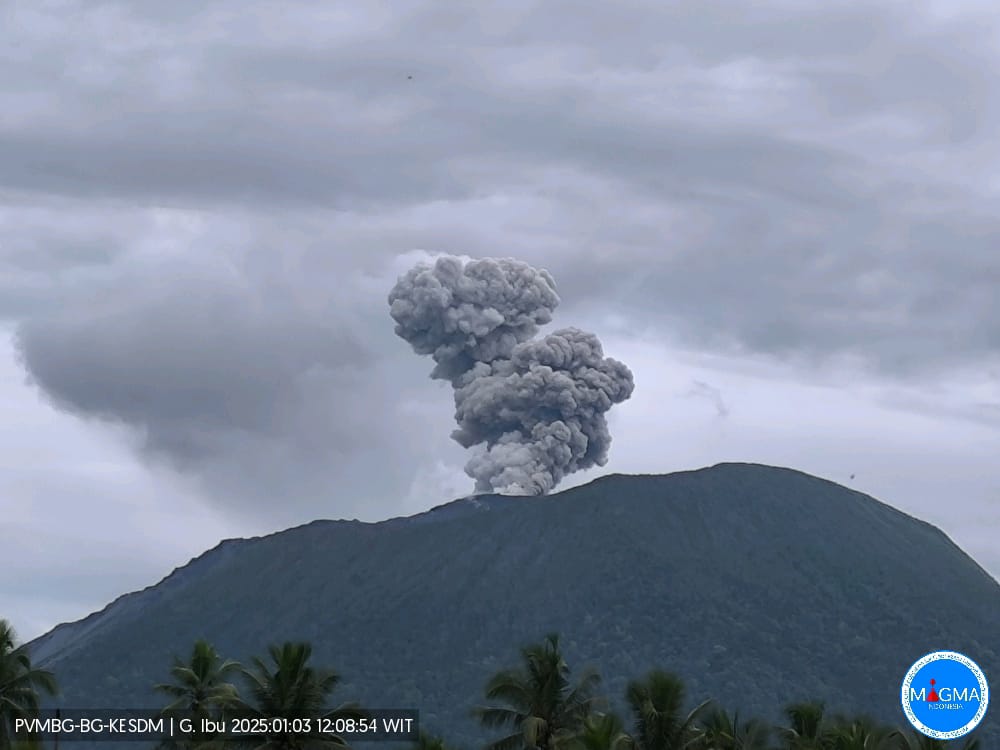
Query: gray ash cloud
point(533, 407)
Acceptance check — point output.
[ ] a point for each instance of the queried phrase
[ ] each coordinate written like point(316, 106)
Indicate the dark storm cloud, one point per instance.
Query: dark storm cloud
point(261, 121)
point(48, 247)
point(190, 355)
point(216, 369)
point(799, 179)
point(292, 110)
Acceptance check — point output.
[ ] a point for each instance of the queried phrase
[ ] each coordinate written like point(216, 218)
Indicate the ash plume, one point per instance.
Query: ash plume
point(536, 406)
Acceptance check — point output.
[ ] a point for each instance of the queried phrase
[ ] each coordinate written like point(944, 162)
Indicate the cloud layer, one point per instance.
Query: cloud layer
point(221, 373)
point(821, 173)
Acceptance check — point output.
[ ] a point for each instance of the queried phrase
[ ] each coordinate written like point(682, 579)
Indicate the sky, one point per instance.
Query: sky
point(779, 213)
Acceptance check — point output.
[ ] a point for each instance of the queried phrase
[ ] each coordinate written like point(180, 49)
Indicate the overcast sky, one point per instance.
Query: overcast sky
point(781, 215)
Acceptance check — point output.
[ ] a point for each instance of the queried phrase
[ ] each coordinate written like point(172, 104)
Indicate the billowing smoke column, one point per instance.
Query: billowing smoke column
point(537, 405)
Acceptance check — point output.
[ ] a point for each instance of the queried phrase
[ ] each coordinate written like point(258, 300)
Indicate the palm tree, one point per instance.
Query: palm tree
point(657, 704)
point(720, 731)
point(20, 684)
point(200, 687)
point(429, 742)
point(861, 734)
point(289, 687)
point(807, 727)
point(603, 731)
point(917, 741)
point(544, 710)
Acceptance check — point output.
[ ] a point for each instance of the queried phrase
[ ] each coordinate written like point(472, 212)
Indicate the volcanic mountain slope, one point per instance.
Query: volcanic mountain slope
point(760, 586)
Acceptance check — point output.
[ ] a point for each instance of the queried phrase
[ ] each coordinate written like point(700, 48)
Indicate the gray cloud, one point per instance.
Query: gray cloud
point(218, 371)
point(187, 353)
point(800, 180)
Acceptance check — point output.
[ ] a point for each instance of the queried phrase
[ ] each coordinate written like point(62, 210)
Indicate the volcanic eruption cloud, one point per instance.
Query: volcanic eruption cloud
point(535, 406)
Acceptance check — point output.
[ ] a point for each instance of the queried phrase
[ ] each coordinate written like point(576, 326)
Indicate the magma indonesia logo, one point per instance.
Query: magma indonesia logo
point(945, 695)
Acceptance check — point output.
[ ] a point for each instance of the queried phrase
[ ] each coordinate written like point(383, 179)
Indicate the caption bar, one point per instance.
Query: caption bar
point(92, 725)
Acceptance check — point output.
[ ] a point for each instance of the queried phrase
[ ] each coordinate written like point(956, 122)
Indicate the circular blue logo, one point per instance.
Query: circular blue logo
point(945, 695)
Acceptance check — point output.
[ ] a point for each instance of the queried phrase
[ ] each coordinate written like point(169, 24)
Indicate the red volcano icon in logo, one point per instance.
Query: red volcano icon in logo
point(933, 697)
